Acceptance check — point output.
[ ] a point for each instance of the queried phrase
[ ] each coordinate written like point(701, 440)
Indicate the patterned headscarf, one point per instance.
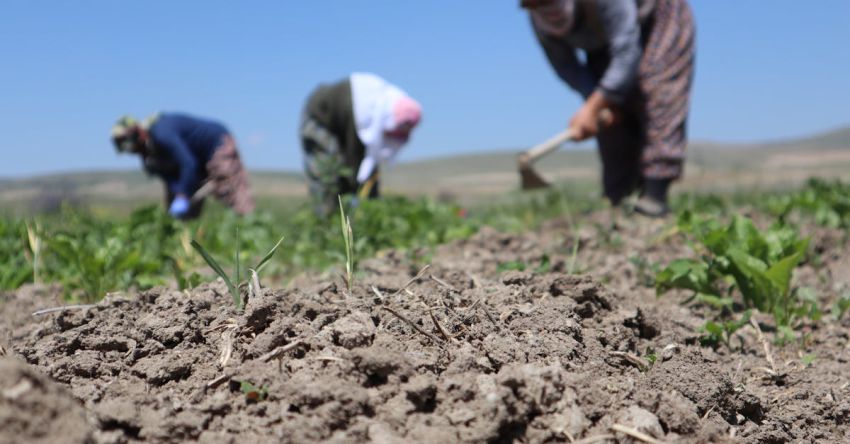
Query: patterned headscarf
point(123, 133)
point(553, 17)
point(126, 132)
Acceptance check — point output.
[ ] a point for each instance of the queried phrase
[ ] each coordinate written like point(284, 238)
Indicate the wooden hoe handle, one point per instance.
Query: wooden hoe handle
point(606, 118)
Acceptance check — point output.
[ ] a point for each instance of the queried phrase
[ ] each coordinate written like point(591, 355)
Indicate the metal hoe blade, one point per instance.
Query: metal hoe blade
point(531, 179)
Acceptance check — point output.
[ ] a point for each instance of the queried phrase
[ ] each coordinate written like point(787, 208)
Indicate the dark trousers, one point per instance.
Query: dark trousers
point(650, 141)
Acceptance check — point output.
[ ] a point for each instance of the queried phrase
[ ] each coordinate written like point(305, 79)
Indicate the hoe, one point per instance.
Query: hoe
point(205, 190)
point(530, 179)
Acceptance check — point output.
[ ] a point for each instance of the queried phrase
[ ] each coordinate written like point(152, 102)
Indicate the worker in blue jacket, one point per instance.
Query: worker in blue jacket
point(193, 156)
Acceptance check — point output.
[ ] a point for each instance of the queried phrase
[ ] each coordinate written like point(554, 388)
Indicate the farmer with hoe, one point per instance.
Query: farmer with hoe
point(348, 129)
point(193, 157)
point(638, 63)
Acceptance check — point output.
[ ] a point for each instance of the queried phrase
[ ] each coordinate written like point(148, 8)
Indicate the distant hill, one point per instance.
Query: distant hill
point(710, 166)
point(838, 138)
point(130, 177)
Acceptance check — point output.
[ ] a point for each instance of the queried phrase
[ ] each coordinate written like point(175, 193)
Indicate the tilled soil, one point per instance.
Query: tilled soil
point(457, 352)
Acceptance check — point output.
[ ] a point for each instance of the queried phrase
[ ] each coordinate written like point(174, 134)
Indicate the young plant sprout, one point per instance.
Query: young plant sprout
point(348, 239)
point(233, 285)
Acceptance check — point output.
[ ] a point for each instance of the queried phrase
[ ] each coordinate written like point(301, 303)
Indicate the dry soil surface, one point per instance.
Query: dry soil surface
point(457, 352)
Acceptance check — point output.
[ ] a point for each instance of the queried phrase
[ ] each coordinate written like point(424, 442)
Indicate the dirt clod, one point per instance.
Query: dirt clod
point(35, 409)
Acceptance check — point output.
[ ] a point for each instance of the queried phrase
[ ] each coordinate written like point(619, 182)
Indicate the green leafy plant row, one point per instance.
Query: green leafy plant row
point(738, 259)
point(92, 254)
point(827, 202)
point(16, 258)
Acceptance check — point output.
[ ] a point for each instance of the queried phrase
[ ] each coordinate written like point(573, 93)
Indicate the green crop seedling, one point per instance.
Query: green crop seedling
point(808, 360)
point(717, 332)
point(348, 239)
point(510, 266)
point(233, 285)
point(253, 393)
point(738, 257)
point(840, 307)
point(234, 292)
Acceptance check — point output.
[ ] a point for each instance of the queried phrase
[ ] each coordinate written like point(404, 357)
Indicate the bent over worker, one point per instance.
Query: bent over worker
point(638, 62)
point(348, 129)
point(187, 153)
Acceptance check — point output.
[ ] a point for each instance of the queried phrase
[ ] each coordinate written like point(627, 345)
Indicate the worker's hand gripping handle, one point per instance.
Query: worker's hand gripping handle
point(606, 119)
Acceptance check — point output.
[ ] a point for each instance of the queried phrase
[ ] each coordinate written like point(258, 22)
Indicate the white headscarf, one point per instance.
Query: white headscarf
point(555, 18)
point(373, 99)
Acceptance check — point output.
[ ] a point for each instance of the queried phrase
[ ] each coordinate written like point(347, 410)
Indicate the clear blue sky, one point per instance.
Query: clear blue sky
point(766, 70)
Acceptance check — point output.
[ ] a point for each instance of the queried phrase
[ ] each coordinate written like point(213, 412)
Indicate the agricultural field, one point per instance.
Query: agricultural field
point(538, 318)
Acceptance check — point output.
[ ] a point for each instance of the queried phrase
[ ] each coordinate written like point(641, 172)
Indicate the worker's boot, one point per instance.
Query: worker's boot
point(653, 200)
